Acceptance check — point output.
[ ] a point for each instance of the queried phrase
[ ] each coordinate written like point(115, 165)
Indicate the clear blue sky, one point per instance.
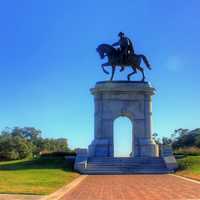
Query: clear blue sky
point(48, 61)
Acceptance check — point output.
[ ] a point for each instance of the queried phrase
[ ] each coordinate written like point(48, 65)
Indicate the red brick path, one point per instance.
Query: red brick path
point(134, 187)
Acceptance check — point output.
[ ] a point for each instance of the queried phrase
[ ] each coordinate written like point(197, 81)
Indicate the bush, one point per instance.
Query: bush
point(192, 151)
point(58, 154)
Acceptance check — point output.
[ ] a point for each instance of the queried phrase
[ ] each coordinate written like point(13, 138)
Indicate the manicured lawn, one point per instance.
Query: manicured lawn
point(189, 166)
point(41, 176)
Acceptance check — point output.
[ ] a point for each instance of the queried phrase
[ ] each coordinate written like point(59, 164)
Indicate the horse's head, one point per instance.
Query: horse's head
point(101, 52)
point(104, 49)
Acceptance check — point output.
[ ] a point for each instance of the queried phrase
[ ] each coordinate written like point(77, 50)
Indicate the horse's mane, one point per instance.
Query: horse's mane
point(106, 45)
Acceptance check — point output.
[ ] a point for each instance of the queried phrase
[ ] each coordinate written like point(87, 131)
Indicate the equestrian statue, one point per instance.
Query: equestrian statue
point(124, 56)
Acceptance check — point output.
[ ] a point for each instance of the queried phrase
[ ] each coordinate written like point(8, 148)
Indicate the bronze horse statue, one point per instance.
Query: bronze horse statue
point(113, 55)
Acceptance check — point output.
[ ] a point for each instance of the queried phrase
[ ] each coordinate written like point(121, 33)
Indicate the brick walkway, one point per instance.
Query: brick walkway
point(134, 187)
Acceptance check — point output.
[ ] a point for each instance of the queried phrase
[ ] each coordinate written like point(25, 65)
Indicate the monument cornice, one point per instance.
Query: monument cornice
point(123, 87)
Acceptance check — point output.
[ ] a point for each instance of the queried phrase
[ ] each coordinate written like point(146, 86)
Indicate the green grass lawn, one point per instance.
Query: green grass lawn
point(189, 166)
point(41, 176)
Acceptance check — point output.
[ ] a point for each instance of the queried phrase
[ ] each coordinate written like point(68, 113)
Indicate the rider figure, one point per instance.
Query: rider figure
point(126, 47)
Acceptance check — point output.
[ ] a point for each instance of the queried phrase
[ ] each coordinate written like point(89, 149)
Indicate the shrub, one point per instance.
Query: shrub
point(58, 154)
point(193, 151)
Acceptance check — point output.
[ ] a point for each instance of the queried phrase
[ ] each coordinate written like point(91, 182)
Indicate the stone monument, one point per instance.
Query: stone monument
point(123, 98)
point(132, 99)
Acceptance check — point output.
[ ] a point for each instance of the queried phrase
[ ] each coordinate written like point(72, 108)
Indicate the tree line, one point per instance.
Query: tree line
point(27, 142)
point(182, 140)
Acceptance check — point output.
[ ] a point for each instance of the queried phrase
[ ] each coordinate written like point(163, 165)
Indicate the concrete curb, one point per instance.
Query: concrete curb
point(20, 197)
point(62, 191)
point(186, 179)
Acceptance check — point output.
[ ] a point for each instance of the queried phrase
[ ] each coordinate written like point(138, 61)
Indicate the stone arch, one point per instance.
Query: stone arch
point(122, 113)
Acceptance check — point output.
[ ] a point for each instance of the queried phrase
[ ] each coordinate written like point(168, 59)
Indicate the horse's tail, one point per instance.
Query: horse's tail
point(145, 61)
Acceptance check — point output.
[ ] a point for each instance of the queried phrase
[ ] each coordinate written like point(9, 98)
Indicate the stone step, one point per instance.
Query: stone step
point(124, 159)
point(104, 161)
point(132, 162)
point(129, 165)
point(127, 170)
point(137, 165)
point(124, 163)
point(125, 167)
point(113, 172)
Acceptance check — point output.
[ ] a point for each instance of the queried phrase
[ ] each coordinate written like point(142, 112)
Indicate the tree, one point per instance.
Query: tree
point(166, 141)
point(19, 143)
point(22, 147)
point(7, 148)
point(186, 138)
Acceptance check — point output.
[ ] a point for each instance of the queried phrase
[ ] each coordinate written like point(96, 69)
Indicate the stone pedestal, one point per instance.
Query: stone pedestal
point(122, 98)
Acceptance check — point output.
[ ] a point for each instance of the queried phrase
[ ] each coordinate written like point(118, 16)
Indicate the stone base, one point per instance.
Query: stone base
point(81, 160)
point(167, 154)
point(146, 148)
point(170, 162)
point(99, 148)
point(104, 148)
point(149, 150)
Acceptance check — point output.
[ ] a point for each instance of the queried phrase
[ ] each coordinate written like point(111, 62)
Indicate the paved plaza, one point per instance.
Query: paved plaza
point(134, 187)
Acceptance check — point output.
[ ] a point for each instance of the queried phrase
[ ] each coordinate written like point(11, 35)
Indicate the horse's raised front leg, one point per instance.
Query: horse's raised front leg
point(104, 65)
point(134, 71)
point(113, 72)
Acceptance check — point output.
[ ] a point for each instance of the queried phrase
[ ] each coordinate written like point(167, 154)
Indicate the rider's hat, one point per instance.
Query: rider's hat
point(120, 34)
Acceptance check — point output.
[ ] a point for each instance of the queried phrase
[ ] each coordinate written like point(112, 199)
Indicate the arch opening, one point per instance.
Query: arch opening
point(123, 137)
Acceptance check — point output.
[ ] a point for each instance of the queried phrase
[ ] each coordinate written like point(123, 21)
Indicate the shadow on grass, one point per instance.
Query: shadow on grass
point(191, 163)
point(24, 193)
point(40, 163)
